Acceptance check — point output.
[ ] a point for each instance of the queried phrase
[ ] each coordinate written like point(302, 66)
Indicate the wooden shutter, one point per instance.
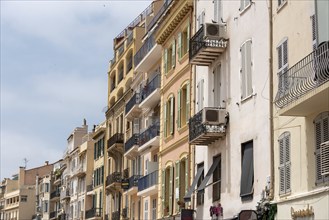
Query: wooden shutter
point(165, 120)
point(321, 124)
point(179, 46)
point(188, 36)
point(171, 176)
point(187, 171)
point(173, 54)
point(163, 181)
point(171, 121)
point(177, 183)
point(201, 94)
point(187, 101)
point(243, 70)
point(216, 2)
point(285, 164)
point(179, 108)
point(248, 68)
point(165, 61)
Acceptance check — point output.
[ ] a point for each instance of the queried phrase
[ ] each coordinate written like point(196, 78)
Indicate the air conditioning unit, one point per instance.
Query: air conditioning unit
point(324, 155)
point(214, 31)
point(213, 116)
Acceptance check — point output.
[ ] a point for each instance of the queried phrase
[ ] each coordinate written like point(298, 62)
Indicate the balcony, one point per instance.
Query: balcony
point(150, 94)
point(125, 212)
point(150, 137)
point(131, 146)
point(132, 107)
point(113, 181)
point(65, 194)
point(55, 194)
point(53, 215)
point(81, 171)
point(132, 184)
point(62, 217)
point(90, 189)
point(148, 185)
point(147, 55)
point(162, 10)
point(94, 213)
point(204, 52)
point(207, 126)
point(115, 143)
point(304, 88)
point(116, 215)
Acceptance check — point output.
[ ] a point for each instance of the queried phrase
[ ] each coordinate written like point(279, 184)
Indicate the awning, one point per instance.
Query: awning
point(187, 197)
point(210, 171)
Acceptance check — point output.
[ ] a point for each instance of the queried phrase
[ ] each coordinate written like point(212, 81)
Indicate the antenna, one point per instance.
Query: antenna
point(25, 162)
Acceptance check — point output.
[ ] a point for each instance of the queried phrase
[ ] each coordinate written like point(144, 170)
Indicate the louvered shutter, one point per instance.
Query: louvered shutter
point(171, 121)
point(243, 71)
point(171, 176)
point(216, 2)
point(163, 179)
point(187, 171)
point(321, 136)
point(248, 69)
point(287, 163)
point(177, 183)
point(165, 120)
point(187, 101)
point(188, 36)
point(173, 54)
point(179, 46)
point(179, 108)
point(201, 94)
point(165, 60)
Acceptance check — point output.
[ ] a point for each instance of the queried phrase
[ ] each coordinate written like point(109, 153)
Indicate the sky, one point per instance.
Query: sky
point(54, 63)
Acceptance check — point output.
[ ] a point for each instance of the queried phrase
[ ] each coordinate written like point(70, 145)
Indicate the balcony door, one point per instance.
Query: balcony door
point(217, 89)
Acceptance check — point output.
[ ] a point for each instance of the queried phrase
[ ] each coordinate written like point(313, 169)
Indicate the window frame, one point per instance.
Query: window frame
point(200, 195)
point(244, 160)
point(218, 169)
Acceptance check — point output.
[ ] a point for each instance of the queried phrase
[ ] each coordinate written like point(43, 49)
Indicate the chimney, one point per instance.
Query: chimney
point(46, 163)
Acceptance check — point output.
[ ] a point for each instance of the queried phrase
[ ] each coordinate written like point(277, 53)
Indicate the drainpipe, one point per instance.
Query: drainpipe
point(271, 195)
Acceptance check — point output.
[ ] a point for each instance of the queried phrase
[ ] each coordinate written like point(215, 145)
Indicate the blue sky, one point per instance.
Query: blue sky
point(54, 62)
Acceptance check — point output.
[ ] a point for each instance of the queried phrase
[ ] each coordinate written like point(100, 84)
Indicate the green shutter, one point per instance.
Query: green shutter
point(187, 101)
point(187, 171)
point(171, 189)
point(173, 54)
point(165, 60)
point(163, 179)
point(188, 36)
point(179, 46)
point(171, 115)
point(179, 108)
point(165, 120)
point(177, 183)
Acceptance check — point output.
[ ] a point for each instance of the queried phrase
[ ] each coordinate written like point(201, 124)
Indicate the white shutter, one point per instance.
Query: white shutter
point(285, 164)
point(216, 3)
point(201, 101)
point(321, 136)
point(248, 68)
point(187, 101)
point(188, 36)
point(173, 54)
point(243, 71)
point(165, 61)
point(324, 152)
point(281, 167)
point(179, 46)
point(217, 86)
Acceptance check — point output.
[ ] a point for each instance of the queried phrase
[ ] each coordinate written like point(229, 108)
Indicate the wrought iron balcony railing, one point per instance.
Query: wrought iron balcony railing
point(204, 133)
point(150, 133)
point(133, 180)
point(148, 181)
point(62, 217)
point(143, 51)
point(115, 139)
point(116, 215)
point(89, 187)
point(125, 212)
point(55, 194)
point(310, 72)
point(159, 14)
point(134, 140)
point(94, 212)
point(151, 87)
point(126, 173)
point(115, 177)
point(134, 100)
point(53, 214)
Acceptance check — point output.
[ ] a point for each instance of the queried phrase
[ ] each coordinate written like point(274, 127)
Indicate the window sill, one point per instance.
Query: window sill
point(170, 72)
point(243, 100)
point(183, 58)
point(245, 9)
point(182, 129)
point(168, 138)
point(281, 6)
point(283, 195)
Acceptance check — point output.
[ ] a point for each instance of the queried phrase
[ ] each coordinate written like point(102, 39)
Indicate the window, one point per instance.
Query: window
point(247, 171)
point(183, 105)
point(244, 4)
point(216, 187)
point(169, 57)
point(167, 190)
point(183, 41)
point(200, 100)
point(99, 148)
point(146, 209)
point(321, 130)
point(99, 176)
point(285, 164)
point(217, 10)
point(45, 206)
point(200, 194)
point(23, 198)
point(169, 116)
point(282, 50)
point(281, 2)
point(46, 187)
point(154, 209)
point(245, 71)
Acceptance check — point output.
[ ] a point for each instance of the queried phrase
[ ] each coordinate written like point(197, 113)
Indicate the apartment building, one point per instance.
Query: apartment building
point(301, 111)
point(230, 123)
point(121, 76)
point(175, 155)
point(55, 191)
point(18, 195)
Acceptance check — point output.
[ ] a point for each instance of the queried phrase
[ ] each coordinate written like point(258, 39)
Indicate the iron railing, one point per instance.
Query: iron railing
point(55, 194)
point(62, 217)
point(143, 51)
point(148, 181)
point(134, 140)
point(53, 214)
point(159, 14)
point(125, 173)
point(310, 72)
point(117, 138)
point(134, 100)
point(94, 212)
point(125, 212)
point(197, 42)
point(150, 133)
point(198, 128)
point(116, 215)
point(121, 49)
point(133, 180)
point(150, 87)
point(114, 177)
